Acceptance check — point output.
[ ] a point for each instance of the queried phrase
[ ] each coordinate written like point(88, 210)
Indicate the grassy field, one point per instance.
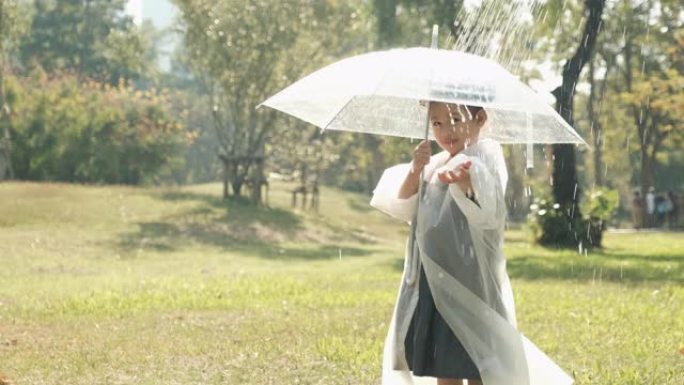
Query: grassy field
point(119, 285)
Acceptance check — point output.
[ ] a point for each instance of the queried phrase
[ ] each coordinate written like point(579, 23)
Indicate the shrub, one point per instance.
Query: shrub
point(66, 129)
point(553, 224)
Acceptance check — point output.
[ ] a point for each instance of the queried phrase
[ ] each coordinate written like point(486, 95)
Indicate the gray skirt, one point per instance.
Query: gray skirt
point(431, 347)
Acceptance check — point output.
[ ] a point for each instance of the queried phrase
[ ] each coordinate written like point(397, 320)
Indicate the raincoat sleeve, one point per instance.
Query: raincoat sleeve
point(488, 177)
point(386, 194)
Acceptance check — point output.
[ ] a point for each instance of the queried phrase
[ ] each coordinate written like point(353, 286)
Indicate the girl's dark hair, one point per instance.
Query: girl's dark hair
point(473, 109)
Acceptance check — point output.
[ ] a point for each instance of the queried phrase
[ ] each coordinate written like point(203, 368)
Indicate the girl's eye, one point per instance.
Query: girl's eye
point(436, 124)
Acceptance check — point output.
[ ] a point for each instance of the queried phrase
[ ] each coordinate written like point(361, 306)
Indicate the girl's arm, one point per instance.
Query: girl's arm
point(396, 191)
point(386, 194)
point(410, 185)
point(421, 157)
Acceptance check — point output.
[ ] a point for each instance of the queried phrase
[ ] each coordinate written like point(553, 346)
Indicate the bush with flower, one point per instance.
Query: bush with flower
point(551, 223)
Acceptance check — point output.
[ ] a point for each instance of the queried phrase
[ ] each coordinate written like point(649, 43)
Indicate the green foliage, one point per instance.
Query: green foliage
point(637, 101)
point(600, 204)
point(551, 222)
point(14, 23)
point(243, 52)
point(201, 164)
point(93, 38)
point(67, 130)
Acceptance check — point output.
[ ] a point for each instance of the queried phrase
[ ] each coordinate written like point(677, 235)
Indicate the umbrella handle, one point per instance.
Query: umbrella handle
point(414, 252)
point(412, 273)
point(435, 33)
point(413, 263)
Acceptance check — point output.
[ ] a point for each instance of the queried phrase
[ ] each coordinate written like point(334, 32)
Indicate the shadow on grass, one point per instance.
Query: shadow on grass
point(319, 253)
point(613, 265)
point(233, 224)
point(609, 264)
point(360, 206)
point(240, 211)
point(606, 265)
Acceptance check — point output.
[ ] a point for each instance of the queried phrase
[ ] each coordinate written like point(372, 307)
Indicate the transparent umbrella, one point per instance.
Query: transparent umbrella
point(379, 93)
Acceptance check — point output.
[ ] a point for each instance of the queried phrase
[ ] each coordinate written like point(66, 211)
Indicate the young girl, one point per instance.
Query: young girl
point(454, 320)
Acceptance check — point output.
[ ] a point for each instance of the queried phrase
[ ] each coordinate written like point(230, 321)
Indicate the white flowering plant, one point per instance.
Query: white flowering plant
point(551, 223)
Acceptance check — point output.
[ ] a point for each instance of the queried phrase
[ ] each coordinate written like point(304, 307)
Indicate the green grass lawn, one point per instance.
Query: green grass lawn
point(120, 285)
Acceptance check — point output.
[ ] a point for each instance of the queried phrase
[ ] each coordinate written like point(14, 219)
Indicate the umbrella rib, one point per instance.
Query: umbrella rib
point(377, 85)
point(338, 113)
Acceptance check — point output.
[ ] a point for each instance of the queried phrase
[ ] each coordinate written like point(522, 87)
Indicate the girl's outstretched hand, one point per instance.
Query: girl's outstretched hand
point(460, 176)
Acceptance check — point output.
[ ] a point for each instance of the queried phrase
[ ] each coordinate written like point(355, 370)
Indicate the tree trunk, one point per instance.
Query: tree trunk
point(377, 165)
point(226, 178)
point(6, 169)
point(385, 17)
point(599, 168)
point(646, 174)
point(565, 188)
point(646, 182)
point(516, 204)
point(258, 177)
point(5, 140)
point(236, 184)
point(597, 129)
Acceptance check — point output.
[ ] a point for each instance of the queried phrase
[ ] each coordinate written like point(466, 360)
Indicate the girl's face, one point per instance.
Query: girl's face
point(454, 127)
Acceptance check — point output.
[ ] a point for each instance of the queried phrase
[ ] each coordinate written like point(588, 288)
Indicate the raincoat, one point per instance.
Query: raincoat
point(470, 287)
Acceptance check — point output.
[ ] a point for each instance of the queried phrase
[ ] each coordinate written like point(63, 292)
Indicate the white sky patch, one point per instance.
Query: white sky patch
point(472, 3)
point(134, 8)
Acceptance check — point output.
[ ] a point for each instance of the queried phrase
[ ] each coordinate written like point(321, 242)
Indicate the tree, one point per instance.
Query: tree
point(93, 38)
point(11, 29)
point(636, 97)
point(565, 181)
point(653, 77)
point(243, 53)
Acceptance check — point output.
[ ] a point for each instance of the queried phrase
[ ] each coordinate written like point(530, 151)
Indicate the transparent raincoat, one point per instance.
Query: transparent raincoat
point(470, 286)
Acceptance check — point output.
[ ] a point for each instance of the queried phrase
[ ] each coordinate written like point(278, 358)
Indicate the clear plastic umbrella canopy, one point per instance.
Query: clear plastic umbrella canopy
point(380, 93)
